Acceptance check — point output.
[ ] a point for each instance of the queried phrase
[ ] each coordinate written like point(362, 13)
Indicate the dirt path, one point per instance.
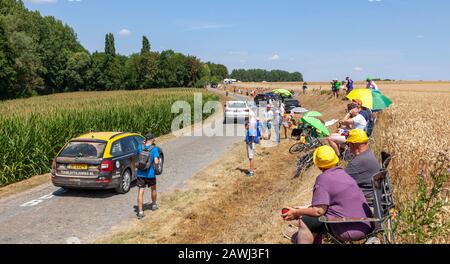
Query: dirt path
point(47, 214)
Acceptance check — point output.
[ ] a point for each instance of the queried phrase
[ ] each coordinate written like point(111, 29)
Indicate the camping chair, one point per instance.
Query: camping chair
point(382, 221)
point(385, 160)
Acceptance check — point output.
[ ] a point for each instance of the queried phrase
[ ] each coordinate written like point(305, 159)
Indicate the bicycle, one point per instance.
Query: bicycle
point(307, 141)
point(304, 163)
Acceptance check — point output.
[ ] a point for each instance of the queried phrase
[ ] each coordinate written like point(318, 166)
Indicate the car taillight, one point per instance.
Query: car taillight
point(106, 166)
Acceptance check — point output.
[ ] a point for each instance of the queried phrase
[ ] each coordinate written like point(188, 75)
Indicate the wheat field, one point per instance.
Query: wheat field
point(416, 131)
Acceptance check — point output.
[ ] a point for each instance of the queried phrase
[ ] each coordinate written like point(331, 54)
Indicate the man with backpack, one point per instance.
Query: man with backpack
point(148, 159)
point(251, 139)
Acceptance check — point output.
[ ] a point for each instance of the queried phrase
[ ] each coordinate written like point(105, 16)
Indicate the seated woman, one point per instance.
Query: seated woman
point(353, 120)
point(335, 195)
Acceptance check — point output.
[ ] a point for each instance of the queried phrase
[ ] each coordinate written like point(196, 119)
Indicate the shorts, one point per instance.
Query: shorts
point(314, 225)
point(146, 182)
point(251, 151)
point(269, 126)
point(338, 138)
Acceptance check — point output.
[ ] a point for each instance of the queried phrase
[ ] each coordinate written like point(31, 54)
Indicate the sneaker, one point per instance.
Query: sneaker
point(140, 215)
point(154, 207)
point(250, 174)
point(373, 241)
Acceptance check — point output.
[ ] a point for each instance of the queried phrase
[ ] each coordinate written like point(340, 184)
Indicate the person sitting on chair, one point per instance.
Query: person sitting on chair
point(353, 120)
point(368, 115)
point(335, 195)
point(364, 165)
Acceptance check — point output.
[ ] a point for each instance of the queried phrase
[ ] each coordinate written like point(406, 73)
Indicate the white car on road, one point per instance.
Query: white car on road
point(237, 110)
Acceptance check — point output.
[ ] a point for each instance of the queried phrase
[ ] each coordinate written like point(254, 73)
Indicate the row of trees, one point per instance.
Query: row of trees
point(259, 75)
point(41, 55)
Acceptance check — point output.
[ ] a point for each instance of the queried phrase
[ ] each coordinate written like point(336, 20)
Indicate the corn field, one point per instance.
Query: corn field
point(32, 131)
point(415, 130)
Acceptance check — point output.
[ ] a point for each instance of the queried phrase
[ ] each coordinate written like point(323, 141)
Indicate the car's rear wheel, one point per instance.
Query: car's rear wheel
point(161, 164)
point(124, 183)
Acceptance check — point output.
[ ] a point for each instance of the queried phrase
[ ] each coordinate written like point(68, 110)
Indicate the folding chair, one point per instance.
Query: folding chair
point(382, 220)
point(385, 159)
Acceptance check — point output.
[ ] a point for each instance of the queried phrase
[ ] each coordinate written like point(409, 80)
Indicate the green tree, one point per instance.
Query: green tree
point(114, 74)
point(95, 74)
point(259, 75)
point(77, 69)
point(142, 70)
point(145, 45)
point(218, 70)
point(110, 46)
point(7, 72)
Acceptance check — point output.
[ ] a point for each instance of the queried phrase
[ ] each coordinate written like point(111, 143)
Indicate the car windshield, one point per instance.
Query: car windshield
point(237, 105)
point(83, 150)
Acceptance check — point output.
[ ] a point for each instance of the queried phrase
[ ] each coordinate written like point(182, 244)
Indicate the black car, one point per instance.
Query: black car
point(274, 96)
point(260, 98)
point(291, 104)
point(99, 161)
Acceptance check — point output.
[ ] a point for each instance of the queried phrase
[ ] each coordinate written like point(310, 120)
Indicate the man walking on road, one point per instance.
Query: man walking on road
point(251, 139)
point(277, 121)
point(268, 118)
point(147, 177)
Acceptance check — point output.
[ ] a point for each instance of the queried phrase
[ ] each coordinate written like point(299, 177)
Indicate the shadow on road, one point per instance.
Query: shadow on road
point(243, 170)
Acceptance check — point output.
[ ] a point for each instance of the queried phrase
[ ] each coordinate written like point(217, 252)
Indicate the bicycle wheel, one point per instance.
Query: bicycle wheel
point(304, 164)
point(297, 148)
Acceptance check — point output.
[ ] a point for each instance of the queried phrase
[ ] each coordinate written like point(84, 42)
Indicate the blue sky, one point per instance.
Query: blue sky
point(323, 39)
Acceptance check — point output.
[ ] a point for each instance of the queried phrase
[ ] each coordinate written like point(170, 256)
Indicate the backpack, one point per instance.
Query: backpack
point(144, 161)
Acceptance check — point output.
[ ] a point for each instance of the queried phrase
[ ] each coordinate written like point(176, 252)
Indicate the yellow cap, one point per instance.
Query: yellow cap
point(325, 157)
point(357, 136)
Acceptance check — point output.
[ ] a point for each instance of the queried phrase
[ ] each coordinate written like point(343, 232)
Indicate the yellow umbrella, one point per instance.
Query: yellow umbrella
point(371, 99)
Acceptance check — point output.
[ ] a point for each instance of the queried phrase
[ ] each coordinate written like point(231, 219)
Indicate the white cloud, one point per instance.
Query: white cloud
point(124, 32)
point(358, 69)
point(43, 1)
point(274, 57)
point(74, 0)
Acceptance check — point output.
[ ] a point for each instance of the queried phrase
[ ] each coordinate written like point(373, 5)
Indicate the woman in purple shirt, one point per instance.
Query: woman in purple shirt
point(336, 195)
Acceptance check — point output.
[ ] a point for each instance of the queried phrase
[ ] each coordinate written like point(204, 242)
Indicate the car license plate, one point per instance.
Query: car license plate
point(75, 180)
point(78, 167)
